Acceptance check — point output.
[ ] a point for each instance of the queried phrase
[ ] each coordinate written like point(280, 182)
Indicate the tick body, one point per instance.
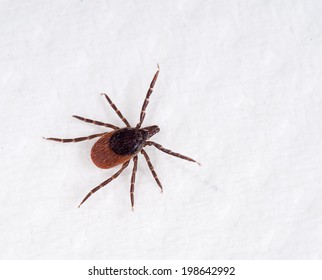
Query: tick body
point(121, 145)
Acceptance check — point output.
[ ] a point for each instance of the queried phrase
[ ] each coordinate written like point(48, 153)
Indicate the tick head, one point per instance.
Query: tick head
point(151, 130)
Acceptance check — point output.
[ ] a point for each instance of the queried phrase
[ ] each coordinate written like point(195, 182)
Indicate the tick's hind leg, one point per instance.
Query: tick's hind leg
point(169, 152)
point(135, 168)
point(147, 158)
point(96, 122)
point(73, 140)
point(118, 112)
point(105, 182)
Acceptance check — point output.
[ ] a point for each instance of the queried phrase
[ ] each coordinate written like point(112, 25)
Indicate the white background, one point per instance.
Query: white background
point(239, 90)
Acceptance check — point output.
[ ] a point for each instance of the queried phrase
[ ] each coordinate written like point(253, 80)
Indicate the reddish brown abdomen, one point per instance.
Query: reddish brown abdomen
point(103, 156)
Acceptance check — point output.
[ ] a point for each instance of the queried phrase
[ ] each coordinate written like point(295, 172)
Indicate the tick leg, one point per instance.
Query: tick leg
point(75, 139)
point(96, 122)
point(152, 169)
point(158, 146)
point(146, 100)
point(135, 168)
point(116, 110)
point(105, 182)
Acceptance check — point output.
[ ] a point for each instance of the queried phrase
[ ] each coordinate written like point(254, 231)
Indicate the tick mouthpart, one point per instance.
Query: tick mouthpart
point(151, 130)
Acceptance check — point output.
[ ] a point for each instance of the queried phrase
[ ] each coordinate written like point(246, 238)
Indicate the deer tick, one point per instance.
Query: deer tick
point(121, 145)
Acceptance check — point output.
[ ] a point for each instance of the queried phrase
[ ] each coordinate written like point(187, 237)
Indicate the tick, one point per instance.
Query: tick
point(121, 145)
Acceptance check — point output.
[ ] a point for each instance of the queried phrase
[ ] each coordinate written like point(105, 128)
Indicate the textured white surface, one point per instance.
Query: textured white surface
point(239, 89)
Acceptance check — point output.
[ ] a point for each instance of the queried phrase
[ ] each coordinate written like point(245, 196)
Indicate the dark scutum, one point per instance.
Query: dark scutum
point(128, 141)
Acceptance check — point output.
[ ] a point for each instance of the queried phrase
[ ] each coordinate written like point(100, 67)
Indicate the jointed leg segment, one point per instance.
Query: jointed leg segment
point(146, 100)
point(116, 110)
point(135, 167)
point(105, 182)
point(167, 151)
point(147, 158)
point(96, 122)
point(75, 139)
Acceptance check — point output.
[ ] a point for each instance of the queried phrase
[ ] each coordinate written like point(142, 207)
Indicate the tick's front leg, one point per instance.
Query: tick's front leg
point(169, 152)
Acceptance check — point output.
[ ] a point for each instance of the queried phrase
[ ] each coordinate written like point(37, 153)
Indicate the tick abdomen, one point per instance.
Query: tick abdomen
point(103, 156)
